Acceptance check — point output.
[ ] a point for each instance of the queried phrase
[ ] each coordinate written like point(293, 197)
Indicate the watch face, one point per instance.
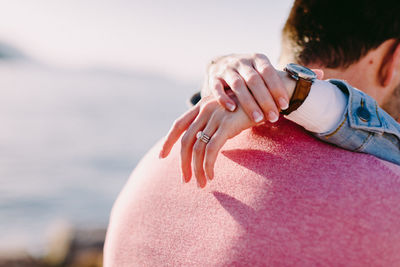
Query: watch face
point(300, 71)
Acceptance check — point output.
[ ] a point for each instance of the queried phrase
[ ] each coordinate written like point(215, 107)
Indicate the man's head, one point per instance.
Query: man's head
point(356, 40)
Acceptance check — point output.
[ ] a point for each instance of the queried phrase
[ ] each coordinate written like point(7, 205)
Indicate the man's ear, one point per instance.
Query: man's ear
point(319, 72)
point(390, 68)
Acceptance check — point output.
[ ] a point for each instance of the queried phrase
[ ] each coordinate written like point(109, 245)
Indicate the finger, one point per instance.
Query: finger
point(199, 150)
point(260, 91)
point(178, 127)
point(189, 138)
point(217, 141)
point(272, 80)
point(218, 90)
point(238, 86)
point(319, 72)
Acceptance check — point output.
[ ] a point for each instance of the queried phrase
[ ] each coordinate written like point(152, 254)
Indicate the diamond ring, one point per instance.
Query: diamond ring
point(203, 137)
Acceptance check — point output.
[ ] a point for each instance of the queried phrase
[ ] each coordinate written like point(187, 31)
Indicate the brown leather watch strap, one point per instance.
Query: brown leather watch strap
point(299, 95)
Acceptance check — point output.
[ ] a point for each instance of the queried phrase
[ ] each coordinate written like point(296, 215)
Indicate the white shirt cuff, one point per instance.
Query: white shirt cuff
point(323, 108)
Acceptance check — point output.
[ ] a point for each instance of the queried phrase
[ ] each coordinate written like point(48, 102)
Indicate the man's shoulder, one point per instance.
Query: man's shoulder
point(289, 145)
point(279, 197)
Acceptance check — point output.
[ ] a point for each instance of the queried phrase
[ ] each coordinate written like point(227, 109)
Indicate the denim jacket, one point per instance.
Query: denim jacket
point(365, 127)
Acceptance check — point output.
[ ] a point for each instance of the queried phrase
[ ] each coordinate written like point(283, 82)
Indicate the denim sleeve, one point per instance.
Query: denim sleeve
point(364, 127)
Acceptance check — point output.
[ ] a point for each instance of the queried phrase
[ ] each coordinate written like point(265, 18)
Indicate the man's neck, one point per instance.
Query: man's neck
point(392, 105)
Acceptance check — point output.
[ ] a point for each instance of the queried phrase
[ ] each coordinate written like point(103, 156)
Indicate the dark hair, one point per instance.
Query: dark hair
point(339, 33)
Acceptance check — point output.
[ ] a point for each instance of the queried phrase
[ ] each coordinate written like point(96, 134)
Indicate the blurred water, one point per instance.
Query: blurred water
point(69, 140)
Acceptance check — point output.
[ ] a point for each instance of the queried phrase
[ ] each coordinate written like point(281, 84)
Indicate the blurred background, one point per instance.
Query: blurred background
point(86, 88)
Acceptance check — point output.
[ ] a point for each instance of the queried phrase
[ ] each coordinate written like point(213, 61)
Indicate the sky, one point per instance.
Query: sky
point(176, 38)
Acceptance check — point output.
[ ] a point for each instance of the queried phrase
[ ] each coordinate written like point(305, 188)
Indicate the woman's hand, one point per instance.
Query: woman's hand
point(220, 124)
point(255, 82)
point(216, 122)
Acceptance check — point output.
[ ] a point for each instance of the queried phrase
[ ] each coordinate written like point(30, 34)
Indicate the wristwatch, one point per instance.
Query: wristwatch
point(305, 78)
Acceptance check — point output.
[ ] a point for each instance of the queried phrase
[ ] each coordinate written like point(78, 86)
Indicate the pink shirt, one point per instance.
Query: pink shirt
point(279, 198)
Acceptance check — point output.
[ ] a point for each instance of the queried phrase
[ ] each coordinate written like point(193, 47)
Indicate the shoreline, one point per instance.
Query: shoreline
point(68, 246)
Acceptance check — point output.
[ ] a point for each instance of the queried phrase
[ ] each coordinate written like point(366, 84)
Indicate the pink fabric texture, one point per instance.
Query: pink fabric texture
point(279, 198)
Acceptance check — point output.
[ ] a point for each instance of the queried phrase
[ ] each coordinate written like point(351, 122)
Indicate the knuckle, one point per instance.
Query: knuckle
point(178, 124)
point(210, 148)
point(208, 107)
point(197, 148)
point(234, 64)
point(217, 86)
point(265, 69)
point(267, 106)
point(275, 91)
point(244, 61)
point(227, 69)
point(237, 82)
point(208, 164)
point(185, 141)
point(226, 123)
point(264, 103)
point(259, 56)
point(246, 101)
point(220, 99)
point(252, 79)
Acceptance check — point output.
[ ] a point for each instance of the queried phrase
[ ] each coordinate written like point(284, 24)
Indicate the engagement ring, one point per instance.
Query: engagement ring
point(203, 137)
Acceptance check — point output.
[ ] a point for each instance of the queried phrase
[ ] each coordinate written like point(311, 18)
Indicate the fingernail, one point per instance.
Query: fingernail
point(183, 179)
point(230, 106)
point(257, 116)
point(161, 155)
point(283, 103)
point(272, 116)
point(201, 186)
